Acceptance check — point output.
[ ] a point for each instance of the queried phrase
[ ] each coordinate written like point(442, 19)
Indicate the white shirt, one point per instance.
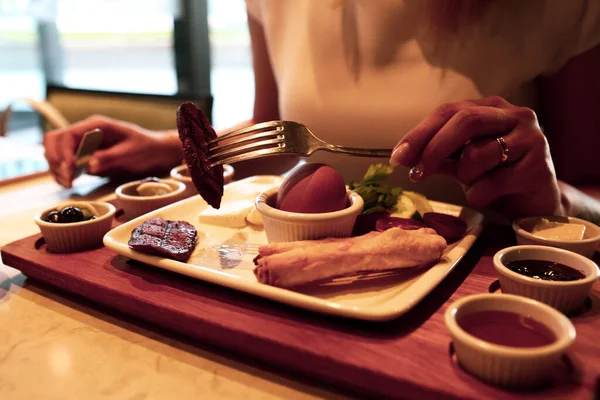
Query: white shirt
point(364, 72)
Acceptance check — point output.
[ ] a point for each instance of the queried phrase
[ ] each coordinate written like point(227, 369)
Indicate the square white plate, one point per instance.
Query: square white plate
point(375, 297)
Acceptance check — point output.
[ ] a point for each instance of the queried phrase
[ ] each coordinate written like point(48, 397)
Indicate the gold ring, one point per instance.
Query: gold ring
point(503, 149)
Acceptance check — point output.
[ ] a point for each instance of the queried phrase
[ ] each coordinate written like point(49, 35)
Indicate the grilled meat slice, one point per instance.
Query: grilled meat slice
point(163, 237)
point(195, 132)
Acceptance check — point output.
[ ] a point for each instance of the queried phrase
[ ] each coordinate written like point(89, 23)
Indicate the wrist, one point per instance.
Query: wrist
point(170, 147)
point(567, 195)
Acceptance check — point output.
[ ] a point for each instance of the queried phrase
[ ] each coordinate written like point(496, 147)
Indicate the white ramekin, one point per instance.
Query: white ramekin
point(76, 236)
point(586, 247)
point(284, 226)
point(564, 296)
point(504, 365)
point(134, 205)
point(190, 189)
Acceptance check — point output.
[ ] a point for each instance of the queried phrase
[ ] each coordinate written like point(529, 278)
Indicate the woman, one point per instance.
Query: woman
point(369, 74)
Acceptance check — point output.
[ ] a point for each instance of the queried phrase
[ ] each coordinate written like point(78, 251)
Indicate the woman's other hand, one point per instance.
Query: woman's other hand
point(126, 149)
point(514, 173)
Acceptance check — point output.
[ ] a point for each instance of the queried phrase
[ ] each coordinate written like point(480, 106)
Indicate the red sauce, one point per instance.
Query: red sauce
point(507, 329)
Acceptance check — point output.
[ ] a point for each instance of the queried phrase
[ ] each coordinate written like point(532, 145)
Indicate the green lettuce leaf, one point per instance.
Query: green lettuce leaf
point(378, 197)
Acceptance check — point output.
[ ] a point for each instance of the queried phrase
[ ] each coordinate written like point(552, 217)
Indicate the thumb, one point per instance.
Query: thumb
point(70, 141)
point(108, 160)
point(71, 136)
point(66, 168)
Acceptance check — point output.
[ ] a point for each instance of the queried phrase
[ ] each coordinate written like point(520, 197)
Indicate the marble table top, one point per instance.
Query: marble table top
point(54, 346)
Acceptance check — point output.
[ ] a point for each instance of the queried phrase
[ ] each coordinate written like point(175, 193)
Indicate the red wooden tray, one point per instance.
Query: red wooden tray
point(409, 357)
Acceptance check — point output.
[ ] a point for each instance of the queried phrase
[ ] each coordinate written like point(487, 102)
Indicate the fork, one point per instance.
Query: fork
point(276, 137)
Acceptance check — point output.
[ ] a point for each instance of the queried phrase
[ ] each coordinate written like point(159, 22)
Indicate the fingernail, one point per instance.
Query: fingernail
point(63, 182)
point(63, 171)
point(416, 173)
point(399, 154)
point(92, 166)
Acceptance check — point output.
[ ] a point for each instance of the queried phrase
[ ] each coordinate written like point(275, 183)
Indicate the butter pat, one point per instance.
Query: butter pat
point(254, 217)
point(230, 215)
point(558, 231)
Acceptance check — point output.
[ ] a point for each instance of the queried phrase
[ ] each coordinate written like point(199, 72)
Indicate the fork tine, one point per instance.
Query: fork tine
point(248, 246)
point(248, 156)
point(250, 129)
point(245, 148)
point(218, 146)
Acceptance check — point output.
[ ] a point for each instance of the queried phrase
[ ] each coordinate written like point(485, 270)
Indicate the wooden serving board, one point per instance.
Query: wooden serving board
point(409, 357)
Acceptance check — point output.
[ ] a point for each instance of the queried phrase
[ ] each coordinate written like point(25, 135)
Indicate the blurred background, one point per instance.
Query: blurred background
point(185, 48)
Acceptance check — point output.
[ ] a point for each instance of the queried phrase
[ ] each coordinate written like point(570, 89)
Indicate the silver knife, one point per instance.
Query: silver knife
point(89, 144)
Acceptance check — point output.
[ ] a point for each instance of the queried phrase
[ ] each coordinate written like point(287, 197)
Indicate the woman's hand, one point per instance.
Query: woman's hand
point(126, 149)
point(518, 179)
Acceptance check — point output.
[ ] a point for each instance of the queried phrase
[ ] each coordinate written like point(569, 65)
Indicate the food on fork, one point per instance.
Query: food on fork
point(312, 188)
point(297, 263)
point(195, 132)
point(163, 237)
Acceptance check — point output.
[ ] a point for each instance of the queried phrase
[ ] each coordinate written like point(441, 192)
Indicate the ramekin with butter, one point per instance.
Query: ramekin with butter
point(569, 233)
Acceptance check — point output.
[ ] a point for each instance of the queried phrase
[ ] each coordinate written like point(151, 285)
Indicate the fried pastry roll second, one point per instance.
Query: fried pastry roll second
point(393, 249)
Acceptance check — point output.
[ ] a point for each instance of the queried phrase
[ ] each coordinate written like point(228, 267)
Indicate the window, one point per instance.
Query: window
point(20, 65)
point(185, 47)
point(117, 45)
point(231, 68)
point(111, 45)
point(168, 47)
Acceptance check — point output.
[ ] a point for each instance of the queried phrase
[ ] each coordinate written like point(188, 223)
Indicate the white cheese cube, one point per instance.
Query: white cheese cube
point(230, 215)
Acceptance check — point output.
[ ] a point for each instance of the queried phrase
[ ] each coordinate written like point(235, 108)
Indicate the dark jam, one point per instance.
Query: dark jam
point(545, 270)
point(507, 329)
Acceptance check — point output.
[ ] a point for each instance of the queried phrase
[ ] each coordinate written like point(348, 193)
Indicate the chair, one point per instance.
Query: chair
point(151, 111)
point(65, 105)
